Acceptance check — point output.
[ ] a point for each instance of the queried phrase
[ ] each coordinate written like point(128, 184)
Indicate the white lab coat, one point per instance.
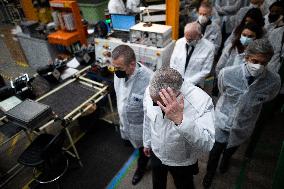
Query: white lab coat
point(275, 38)
point(227, 8)
point(213, 34)
point(133, 5)
point(237, 19)
point(118, 6)
point(193, 16)
point(239, 105)
point(200, 63)
point(130, 96)
point(229, 58)
point(180, 145)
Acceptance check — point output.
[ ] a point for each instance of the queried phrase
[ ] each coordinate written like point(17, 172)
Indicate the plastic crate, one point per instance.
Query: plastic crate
point(93, 12)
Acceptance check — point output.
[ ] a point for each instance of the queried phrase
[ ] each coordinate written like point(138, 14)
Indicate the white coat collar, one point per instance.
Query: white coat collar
point(246, 74)
point(133, 74)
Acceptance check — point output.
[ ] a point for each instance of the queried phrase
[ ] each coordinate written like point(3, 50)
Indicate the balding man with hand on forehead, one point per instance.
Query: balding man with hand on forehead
point(178, 127)
point(193, 55)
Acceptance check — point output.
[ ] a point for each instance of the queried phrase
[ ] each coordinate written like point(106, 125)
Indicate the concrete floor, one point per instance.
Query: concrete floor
point(258, 174)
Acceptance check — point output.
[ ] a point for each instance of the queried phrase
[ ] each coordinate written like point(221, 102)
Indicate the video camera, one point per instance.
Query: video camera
point(53, 71)
point(20, 86)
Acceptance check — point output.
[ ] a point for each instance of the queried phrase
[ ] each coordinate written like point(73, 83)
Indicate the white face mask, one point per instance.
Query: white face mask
point(245, 40)
point(255, 69)
point(202, 19)
point(192, 43)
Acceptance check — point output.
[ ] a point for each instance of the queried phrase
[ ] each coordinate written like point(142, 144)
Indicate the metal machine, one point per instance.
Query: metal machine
point(150, 56)
point(156, 35)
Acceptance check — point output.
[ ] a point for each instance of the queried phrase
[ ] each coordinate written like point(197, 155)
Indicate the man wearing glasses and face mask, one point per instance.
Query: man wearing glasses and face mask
point(193, 55)
point(243, 90)
point(130, 82)
point(178, 128)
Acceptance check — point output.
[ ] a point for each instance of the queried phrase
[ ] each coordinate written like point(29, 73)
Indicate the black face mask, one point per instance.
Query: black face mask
point(120, 74)
point(155, 104)
point(273, 17)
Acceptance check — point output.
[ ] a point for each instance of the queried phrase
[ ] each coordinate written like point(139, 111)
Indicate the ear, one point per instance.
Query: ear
point(133, 64)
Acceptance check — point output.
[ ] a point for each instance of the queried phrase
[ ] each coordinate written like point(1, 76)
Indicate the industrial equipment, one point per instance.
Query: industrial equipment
point(121, 25)
point(29, 114)
point(151, 34)
point(67, 18)
point(53, 71)
point(20, 86)
point(150, 56)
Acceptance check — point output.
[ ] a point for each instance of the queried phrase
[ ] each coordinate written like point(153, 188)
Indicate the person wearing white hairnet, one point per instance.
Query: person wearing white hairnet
point(236, 19)
point(244, 89)
point(130, 82)
point(178, 128)
point(193, 55)
point(123, 6)
point(233, 54)
point(209, 29)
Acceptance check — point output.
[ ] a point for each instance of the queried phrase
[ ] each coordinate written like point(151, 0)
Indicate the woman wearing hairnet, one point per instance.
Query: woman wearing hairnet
point(244, 88)
point(233, 54)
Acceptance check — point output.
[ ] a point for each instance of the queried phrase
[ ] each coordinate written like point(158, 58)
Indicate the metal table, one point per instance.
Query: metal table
point(68, 102)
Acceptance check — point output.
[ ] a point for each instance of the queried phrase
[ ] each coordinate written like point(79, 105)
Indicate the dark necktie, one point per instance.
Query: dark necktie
point(188, 55)
point(250, 80)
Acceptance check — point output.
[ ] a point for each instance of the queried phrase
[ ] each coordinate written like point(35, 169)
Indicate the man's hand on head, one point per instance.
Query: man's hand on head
point(172, 106)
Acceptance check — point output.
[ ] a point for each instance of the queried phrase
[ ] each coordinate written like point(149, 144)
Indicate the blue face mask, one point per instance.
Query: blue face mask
point(245, 40)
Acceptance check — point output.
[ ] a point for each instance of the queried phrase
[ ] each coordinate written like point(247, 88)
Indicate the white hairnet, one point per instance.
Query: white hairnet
point(260, 46)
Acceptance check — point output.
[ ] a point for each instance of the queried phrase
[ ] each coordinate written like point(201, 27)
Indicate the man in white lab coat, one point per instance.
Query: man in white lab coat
point(193, 55)
point(123, 6)
point(210, 29)
point(178, 128)
point(130, 82)
point(244, 89)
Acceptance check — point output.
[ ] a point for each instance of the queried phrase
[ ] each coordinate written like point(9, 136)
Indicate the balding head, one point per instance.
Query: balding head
point(192, 31)
point(164, 78)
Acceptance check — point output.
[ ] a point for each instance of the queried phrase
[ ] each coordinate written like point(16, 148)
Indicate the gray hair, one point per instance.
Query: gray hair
point(260, 46)
point(124, 51)
point(164, 78)
point(193, 26)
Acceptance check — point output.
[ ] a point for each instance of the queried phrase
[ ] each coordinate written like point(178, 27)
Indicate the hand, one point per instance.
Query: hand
point(147, 152)
point(172, 108)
